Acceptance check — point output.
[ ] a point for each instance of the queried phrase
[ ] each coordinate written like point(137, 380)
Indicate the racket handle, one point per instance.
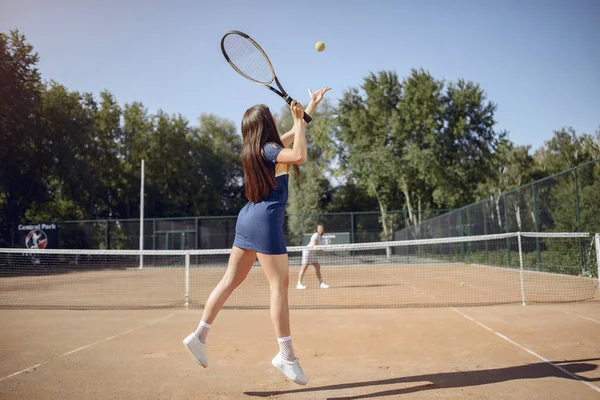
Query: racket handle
point(307, 118)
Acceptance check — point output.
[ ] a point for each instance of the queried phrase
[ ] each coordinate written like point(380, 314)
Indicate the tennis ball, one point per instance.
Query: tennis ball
point(320, 46)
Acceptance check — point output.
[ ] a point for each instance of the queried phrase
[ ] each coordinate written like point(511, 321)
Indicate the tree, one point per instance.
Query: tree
point(350, 197)
point(227, 175)
point(566, 150)
point(415, 144)
point(23, 154)
point(365, 146)
point(465, 146)
point(588, 179)
point(512, 167)
point(137, 131)
point(419, 119)
point(571, 195)
point(108, 158)
point(308, 194)
point(67, 126)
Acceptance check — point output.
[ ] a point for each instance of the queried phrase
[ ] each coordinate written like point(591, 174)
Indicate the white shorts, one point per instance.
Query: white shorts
point(309, 256)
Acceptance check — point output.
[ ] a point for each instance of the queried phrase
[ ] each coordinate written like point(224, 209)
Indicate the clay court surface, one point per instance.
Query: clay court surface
point(356, 286)
point(397, 330)
point(505, 351)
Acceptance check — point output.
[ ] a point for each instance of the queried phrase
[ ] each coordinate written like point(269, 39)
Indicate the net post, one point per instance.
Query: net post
point(578, 214)
point(537, 228)
point(197, 227)
point(506, 228)
point(106, 245)
point(187, 281)
point(469, 233)
point(521, 267)
point(142, 216)
point(598, 254)
point(483, 212)
point(352, 227)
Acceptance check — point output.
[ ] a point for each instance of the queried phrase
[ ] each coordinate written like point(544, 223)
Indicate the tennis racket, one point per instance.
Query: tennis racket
point(250, 60)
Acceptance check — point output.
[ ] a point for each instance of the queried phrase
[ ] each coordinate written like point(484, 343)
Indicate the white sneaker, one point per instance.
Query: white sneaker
point(291, 369)
point(300, 286)
point(323, 285)
point(197, 348)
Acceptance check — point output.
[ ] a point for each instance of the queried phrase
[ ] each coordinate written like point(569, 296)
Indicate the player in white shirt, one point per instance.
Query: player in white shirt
point(311, 257)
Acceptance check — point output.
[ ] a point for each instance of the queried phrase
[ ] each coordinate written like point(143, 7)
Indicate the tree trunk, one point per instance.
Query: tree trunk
point(497, 201)
point(384, 215)
point(407, 200)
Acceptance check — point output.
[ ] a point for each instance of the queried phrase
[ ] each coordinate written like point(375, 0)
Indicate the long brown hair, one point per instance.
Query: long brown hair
point(258, 128)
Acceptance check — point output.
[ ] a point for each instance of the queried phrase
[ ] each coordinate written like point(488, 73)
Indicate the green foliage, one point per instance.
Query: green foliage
point(567, 150)
point(419, 120)
point(466, 145)
point(310, 194)
point(226, 144)
point(365, 146)
point(349, 197)
point(68, 155)
point(24, 159)
point(306, 201)
point(572, 197)
point(416, 144)
point(409, 144)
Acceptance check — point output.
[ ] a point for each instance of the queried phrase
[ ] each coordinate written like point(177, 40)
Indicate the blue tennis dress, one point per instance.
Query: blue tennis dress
point(260, 225)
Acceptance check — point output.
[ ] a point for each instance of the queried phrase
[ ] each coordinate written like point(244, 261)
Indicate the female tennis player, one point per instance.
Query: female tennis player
point(310, 256)
point(266, 159)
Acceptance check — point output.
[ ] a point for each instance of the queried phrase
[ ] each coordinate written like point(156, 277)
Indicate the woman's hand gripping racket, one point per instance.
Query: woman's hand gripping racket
point(251, 61)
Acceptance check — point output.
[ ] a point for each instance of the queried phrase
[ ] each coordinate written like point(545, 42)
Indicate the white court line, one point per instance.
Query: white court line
point(85, 347)
point(24, 370)
point(580, 316)
point(572, 375)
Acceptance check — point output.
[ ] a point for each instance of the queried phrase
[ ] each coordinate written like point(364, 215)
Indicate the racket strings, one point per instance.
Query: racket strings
point(248, 59)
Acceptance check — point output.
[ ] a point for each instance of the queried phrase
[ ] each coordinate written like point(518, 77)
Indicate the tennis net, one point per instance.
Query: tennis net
point(462, 271)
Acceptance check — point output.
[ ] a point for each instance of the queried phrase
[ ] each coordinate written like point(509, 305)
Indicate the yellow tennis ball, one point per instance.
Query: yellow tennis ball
point(320, 46)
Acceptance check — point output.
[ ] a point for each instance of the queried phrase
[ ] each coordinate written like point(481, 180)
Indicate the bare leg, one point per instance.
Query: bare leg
point(276, 269)
point(302, 271)
point(240, 263)
point(318, 271)
point(322, 284)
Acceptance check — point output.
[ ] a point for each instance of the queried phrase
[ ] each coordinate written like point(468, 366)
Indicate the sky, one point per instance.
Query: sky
point(538, 60)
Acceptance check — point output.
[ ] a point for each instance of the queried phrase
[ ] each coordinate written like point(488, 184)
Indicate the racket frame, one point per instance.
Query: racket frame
point(281, 92)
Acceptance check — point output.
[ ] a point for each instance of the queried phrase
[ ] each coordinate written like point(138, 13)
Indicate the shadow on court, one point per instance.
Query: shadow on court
point(459, 379)
point(363, 286)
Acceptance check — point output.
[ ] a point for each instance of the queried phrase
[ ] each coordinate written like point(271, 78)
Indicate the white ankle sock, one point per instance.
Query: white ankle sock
point(285, 348)
point(202, 331)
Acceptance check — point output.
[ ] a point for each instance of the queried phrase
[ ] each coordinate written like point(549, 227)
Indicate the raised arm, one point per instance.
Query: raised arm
point(315, 98)
point(297, 154)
